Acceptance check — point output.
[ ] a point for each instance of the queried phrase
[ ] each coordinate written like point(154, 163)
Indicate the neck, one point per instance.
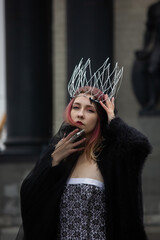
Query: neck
point(83, 158)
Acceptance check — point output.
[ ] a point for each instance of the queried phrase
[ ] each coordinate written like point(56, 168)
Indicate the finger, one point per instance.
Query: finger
point(75, 144)
point(103, 105)
point(109, 110)
point(59, 143)
point(107, 101)
point(71, 134)
point(76, 150)
point(65, 140)
point(112, 101)
point(106, 96)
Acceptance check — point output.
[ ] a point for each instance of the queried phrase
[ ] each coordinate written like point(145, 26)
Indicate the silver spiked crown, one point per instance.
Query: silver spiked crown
point(104, 80)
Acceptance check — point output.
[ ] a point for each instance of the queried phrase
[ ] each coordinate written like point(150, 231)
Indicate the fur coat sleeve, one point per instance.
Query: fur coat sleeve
point(41, 191)
point(43, 174)
point(121, 163)
point(128, 141)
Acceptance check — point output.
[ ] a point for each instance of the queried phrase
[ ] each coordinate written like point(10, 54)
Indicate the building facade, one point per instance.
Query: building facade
point(66, 40)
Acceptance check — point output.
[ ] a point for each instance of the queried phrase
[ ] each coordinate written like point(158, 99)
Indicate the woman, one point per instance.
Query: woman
point(90, 188)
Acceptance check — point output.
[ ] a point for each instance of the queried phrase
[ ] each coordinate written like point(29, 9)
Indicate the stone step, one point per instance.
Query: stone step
point(8, 233)
point(153, 233)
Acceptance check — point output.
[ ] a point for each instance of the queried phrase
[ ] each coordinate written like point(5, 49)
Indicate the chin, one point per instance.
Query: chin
point(80, 126)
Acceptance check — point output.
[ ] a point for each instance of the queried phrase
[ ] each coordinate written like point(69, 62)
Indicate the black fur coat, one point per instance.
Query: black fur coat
point(120, 162)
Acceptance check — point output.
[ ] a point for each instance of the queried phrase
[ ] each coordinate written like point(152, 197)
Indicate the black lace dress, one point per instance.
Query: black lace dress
point(82, 215)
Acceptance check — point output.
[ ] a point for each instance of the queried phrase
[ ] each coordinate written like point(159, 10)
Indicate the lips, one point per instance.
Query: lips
point(79, 123)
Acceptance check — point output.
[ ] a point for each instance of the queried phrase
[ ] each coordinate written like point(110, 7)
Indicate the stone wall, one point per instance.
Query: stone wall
point(2, 62)
point(59, 61)
point(129, 26)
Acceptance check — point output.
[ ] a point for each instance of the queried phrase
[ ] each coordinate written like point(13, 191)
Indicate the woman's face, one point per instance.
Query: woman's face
point(84, 113)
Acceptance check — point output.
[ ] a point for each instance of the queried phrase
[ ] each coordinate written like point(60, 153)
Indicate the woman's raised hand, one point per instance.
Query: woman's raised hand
point(65, 147)
point(108, 106)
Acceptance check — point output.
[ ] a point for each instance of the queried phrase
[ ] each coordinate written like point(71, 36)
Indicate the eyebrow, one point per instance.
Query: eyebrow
point(86, 105)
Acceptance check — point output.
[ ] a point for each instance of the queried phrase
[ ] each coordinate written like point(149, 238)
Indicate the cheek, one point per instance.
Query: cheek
point(94, 120)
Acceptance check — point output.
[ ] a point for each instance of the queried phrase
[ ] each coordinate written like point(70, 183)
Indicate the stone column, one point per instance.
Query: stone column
point(89, 32)
point(29, 75)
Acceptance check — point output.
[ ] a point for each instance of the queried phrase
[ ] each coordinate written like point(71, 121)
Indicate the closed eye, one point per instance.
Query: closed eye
point(75, 107)
point(90, 110)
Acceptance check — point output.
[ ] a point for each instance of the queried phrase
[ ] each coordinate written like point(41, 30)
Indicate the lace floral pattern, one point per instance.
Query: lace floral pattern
point(82, 214)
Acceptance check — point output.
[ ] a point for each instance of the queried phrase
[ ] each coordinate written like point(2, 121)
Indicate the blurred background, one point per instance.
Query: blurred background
point(40, 43)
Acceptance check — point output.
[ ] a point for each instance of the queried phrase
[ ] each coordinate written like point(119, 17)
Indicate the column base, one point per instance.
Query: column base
point(24, 149)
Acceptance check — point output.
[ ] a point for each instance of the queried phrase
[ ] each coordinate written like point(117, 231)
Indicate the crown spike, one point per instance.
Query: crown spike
point(107, 82)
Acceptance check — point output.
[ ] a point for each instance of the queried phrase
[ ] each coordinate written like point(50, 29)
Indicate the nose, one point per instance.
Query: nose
point(80, 113)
